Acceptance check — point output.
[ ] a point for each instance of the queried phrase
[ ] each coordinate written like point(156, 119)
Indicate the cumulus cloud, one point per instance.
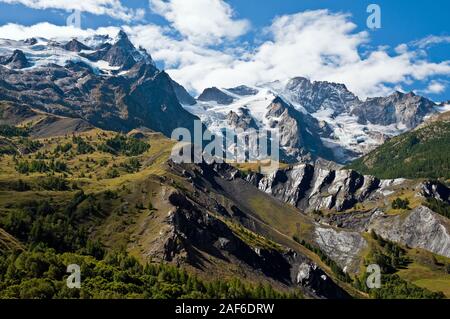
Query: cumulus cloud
point(201, 21)
point(112, 8)
point(317, 44)
point(435, 87)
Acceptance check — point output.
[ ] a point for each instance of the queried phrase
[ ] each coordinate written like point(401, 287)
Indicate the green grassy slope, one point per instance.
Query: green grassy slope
point(95, 199)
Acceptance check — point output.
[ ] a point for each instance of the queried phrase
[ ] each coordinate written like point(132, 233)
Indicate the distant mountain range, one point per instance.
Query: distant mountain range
point(315, 119)
point(110, 84)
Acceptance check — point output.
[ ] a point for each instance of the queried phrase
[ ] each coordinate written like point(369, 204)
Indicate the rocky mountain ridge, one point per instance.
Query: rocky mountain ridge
point(111, 85)
point(331, 199)
point(346, 126)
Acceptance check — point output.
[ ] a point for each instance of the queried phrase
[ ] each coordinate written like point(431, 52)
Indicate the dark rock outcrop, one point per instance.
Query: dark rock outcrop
point(215, 95)
point(75, 46)
point(17, 60)
point(436, 190)
point(30, 41)
point(243, 90)
point(183, 96)
point(195, 230)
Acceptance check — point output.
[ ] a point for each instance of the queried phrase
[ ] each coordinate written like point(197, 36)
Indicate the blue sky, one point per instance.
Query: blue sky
point(255, 41)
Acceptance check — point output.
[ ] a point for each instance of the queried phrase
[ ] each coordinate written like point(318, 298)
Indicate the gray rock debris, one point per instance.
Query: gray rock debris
point(421, 228)
point(342, 246)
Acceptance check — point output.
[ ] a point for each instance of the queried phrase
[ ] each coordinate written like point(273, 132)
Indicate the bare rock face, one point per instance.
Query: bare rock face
point(340, 235)
point(314, 96)
point(313, 188)
point(75, 46)
point(398, 108)
point(192, 232)
point(436, 190)
point(420, 228)
point(215, 95)
point(354, 221)
point(183, 96)
point(342, 246)
point(196, 231)
point(289, 186)
point(59, 126)
point(241, 120)
point(298, 132)
point(14, 113)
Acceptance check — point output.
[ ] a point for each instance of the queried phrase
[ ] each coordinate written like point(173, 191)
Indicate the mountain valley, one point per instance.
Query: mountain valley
point(86, 177)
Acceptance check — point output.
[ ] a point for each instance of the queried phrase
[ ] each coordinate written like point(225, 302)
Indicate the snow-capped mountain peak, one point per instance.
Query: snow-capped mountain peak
point(102, 53)
point(326, 113)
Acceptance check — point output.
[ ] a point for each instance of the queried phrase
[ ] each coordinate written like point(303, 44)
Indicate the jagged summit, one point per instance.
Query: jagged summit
point(17, 60)
point(214, 94)
point(104, 54)
point(277, 107)
point(75, 46)
point(121, 35)
point(405, 109)
point(31, 41)
point(121, 53)
point(317, 95)
point(122, 41)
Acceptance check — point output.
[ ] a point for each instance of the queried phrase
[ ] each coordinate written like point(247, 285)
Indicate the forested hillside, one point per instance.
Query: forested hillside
point(422, 153)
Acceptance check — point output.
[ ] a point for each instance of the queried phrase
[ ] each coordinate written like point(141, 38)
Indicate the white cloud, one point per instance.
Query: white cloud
point(316, 44)
point(201, 21)
point(431, 40)
point(112, 8)
point(49, 31)
point(435, 87)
